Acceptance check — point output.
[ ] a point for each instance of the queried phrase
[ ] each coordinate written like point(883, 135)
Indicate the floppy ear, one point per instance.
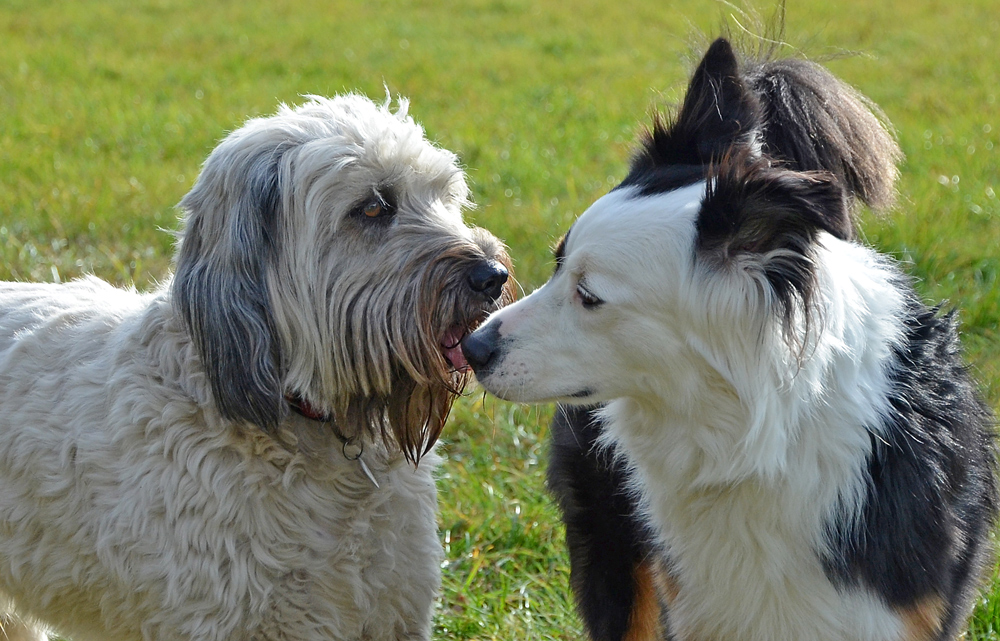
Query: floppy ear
point(219, 288)
point(718, 112)
point(751, 206)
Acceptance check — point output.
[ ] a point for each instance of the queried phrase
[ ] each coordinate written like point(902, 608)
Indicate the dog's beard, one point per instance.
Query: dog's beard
point(400, 363)
point(411, 417)
point(431, 374)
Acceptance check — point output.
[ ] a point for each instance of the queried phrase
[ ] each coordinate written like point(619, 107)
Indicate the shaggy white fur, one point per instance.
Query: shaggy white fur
point(154, 483)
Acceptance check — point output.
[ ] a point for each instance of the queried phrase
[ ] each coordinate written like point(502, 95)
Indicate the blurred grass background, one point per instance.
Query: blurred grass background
point(107, 110)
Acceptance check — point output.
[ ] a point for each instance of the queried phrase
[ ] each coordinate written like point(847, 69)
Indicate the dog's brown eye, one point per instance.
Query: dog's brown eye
point(374, 209)
point(381, 207)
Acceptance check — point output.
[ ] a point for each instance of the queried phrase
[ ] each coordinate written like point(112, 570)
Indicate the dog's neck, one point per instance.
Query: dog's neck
point(749, 455)
point(304, 408)
point(352, 447)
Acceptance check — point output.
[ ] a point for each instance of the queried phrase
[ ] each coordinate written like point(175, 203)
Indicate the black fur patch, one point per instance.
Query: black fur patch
point(560, 250)
point(718, 112)
point(750, 206)
point(654, 179)
point(753, 208)
point(605, 538)
point(814, 121)
point(932, 493)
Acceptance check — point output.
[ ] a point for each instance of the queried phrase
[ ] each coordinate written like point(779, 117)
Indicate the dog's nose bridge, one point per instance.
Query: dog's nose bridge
point(486, 244)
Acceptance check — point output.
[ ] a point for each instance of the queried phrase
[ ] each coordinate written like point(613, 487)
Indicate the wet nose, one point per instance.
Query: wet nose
point(480, 347)
point(488, 278)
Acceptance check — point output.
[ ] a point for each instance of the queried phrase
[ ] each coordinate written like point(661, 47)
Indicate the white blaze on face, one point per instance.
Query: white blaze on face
point(601, 322)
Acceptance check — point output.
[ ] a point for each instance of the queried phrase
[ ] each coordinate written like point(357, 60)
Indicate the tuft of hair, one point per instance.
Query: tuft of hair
point(815, 121)
point(790, 110)
point(812, 119)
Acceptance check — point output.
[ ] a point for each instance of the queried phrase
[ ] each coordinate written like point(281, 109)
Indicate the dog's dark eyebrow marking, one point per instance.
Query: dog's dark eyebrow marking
point(560, 250)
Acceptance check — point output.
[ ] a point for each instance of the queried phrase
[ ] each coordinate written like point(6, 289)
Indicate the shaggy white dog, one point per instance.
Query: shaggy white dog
point(234, 456)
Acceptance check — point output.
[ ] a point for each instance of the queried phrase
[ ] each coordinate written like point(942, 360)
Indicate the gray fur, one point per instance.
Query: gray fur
point(288, 288)
point(219, 287)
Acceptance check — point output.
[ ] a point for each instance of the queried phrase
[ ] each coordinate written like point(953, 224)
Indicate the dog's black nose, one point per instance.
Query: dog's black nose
point(488, 278)
point(480, 347)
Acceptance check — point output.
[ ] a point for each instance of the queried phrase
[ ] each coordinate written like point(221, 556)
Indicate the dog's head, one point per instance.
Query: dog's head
point(706, 251)
point(324, 259)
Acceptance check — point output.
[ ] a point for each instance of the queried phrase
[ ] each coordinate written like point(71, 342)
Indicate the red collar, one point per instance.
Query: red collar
point(302, 407)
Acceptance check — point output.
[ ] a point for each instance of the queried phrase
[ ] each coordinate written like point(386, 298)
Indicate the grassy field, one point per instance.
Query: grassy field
point(108, 108)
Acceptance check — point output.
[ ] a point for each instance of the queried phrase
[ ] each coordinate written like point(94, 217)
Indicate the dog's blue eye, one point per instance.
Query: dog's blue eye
point(588, 300)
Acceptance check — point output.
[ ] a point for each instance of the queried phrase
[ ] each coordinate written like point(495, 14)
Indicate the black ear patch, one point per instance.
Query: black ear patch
point(719, 111)
point(774, 216)
point(751, 206)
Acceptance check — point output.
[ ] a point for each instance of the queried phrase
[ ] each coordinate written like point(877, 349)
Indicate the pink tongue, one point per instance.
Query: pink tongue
point(456, 358)
point(452, 344)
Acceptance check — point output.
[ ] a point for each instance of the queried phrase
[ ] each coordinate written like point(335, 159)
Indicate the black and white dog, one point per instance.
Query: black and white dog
point(793, 447)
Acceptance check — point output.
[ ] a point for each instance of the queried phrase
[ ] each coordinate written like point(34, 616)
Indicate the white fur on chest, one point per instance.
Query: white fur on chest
point(750, 550)
point(742, 482)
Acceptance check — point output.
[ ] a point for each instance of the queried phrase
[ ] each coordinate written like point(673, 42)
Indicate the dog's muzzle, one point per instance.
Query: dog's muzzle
point(486, 279)
point(481, 346)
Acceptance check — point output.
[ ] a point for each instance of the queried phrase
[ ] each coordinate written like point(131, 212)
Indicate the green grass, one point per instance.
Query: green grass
point(108, 108)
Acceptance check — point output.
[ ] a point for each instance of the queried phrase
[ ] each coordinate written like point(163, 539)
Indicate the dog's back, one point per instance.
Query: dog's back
point(56, 453)
point(29, 308)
